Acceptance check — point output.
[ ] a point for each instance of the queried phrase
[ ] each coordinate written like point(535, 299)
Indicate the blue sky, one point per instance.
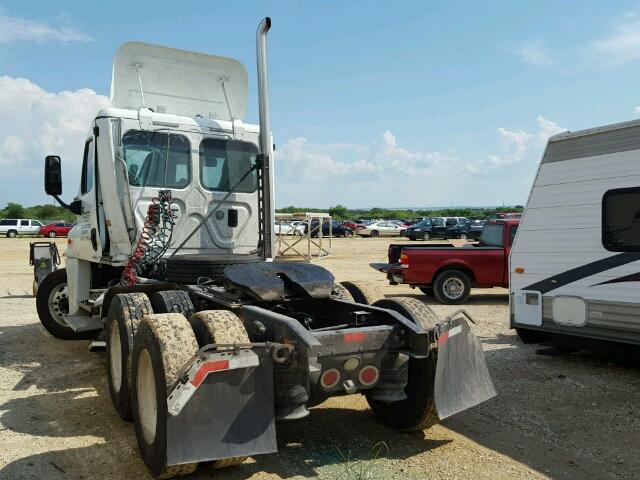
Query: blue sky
point(373, 103)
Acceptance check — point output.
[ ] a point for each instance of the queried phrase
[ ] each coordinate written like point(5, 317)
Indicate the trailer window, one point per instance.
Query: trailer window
point(492, 235)
point(156, 159)
point(224, 163)
point(621, 220)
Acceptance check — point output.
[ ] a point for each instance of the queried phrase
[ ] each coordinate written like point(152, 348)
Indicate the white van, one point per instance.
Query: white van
point(575, 262)
point(12, 227)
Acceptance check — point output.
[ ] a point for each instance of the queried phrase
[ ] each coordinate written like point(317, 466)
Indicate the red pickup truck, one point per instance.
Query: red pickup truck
point(449, 272)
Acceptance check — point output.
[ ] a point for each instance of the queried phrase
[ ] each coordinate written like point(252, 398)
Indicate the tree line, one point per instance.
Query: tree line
point(38, 212)
point(340, 212)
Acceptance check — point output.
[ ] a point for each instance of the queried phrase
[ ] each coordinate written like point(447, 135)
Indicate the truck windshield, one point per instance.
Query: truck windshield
point(492, 235)
point(223, 163)
point(157, 159)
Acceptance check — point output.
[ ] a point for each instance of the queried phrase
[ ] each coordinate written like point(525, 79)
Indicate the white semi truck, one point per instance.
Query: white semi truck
point(209, 341)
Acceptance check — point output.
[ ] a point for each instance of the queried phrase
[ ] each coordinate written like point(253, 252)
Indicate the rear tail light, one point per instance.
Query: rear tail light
point(369, 375)
point(404, 260)
point(330, 378)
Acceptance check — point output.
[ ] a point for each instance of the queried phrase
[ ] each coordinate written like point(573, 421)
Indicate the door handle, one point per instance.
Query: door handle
point(94, 239)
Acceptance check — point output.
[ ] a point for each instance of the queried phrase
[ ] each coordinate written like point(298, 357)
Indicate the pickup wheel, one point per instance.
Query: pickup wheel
point(452, 287)
point(418, 410)
point(163, 345)
point(363, 292)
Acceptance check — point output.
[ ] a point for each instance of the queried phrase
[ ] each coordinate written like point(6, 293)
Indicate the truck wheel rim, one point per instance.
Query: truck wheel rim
point(453, 288)
point(115, 356)
point(59, 304)
point(146, 392)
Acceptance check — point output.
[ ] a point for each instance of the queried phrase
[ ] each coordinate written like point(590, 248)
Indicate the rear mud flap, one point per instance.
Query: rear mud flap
point(231, 414)
point(462, 376)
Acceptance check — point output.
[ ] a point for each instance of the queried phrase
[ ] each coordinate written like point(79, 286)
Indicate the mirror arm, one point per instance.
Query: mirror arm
point(73, 207)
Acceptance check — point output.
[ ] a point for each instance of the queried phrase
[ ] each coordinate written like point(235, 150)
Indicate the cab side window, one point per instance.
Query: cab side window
point(86, 182)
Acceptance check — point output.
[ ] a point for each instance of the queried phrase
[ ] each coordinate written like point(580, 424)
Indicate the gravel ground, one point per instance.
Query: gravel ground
point(567, 416)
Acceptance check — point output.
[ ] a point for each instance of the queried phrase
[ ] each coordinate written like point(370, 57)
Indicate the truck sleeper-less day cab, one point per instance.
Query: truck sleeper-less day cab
point(575, 263)
point(208, 340)
point(449, 272)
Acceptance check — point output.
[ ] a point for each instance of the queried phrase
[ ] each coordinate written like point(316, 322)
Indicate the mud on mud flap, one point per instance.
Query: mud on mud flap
point(223, 408)
point(462, 376)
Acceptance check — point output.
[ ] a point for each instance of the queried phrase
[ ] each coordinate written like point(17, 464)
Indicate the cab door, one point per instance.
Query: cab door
point(87, 234)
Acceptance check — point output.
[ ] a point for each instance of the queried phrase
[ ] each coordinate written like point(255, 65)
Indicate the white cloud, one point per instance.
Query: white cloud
point(535, 53)
point(518, 146)
point(623, 44)
point(637, 109)
point(15, 29)
point(43, 123)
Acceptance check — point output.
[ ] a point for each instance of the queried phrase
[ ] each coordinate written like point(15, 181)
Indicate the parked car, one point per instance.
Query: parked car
point(289, 228)
point(449, 272)
point(420, 230)
point(337, 229)
point(353, 224)
point(12, 227)
point(55, 230)
point(382, 229)
point(469, 229)
point(505, 215)
point(439, 225)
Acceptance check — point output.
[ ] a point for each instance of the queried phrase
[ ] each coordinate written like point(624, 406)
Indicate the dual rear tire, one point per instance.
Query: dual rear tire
point(146, 350)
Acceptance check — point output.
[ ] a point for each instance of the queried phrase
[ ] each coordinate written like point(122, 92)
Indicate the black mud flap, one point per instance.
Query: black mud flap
point(462, 376)
point(231, 414)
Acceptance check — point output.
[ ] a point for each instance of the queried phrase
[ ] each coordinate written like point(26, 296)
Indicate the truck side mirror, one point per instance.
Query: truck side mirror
point(53, 175)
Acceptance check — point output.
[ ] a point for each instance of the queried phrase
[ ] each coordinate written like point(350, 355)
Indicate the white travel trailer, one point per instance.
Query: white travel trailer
point(575, 262)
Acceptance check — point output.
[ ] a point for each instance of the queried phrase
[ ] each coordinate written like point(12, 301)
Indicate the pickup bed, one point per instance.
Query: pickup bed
point(449, 272)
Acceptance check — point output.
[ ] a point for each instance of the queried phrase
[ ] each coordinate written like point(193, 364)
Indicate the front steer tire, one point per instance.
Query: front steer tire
point(418, 410)
point(363, 292)
point(163, 345)
point(126, 311)
point(52, 301)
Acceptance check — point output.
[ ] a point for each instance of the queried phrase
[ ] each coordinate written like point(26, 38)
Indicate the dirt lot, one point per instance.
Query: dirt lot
point(562, 417)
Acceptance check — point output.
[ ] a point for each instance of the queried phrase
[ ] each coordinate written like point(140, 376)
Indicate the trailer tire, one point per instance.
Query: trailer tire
point(341, 292)
point(531, 336)
point(418, 410)
point(163, 345)
point(452, 287)
point(126, 311)
point(218, 326)
point(52, 302)
point(172, 301)
point(363, 292)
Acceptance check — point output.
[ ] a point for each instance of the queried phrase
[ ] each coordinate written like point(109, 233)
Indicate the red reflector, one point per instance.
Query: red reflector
point(404, 259)
point(330, 378)
point(207, 368)
point(369, 375)
point(355, 337)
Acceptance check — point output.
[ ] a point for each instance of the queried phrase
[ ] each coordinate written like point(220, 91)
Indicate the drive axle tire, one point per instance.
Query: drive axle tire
point(172, 301)
point(126, 311)
point(363, 292)
point(418, 410)
point(452, 287)
point(163, 345)
point(52, 304)
point(341, 292)
point(218, 326)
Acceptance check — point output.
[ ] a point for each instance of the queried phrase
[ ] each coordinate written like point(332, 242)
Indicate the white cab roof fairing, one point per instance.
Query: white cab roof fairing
point(178, 82)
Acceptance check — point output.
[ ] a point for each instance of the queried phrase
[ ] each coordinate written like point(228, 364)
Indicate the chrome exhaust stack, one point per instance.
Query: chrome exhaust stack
point(265, 208)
